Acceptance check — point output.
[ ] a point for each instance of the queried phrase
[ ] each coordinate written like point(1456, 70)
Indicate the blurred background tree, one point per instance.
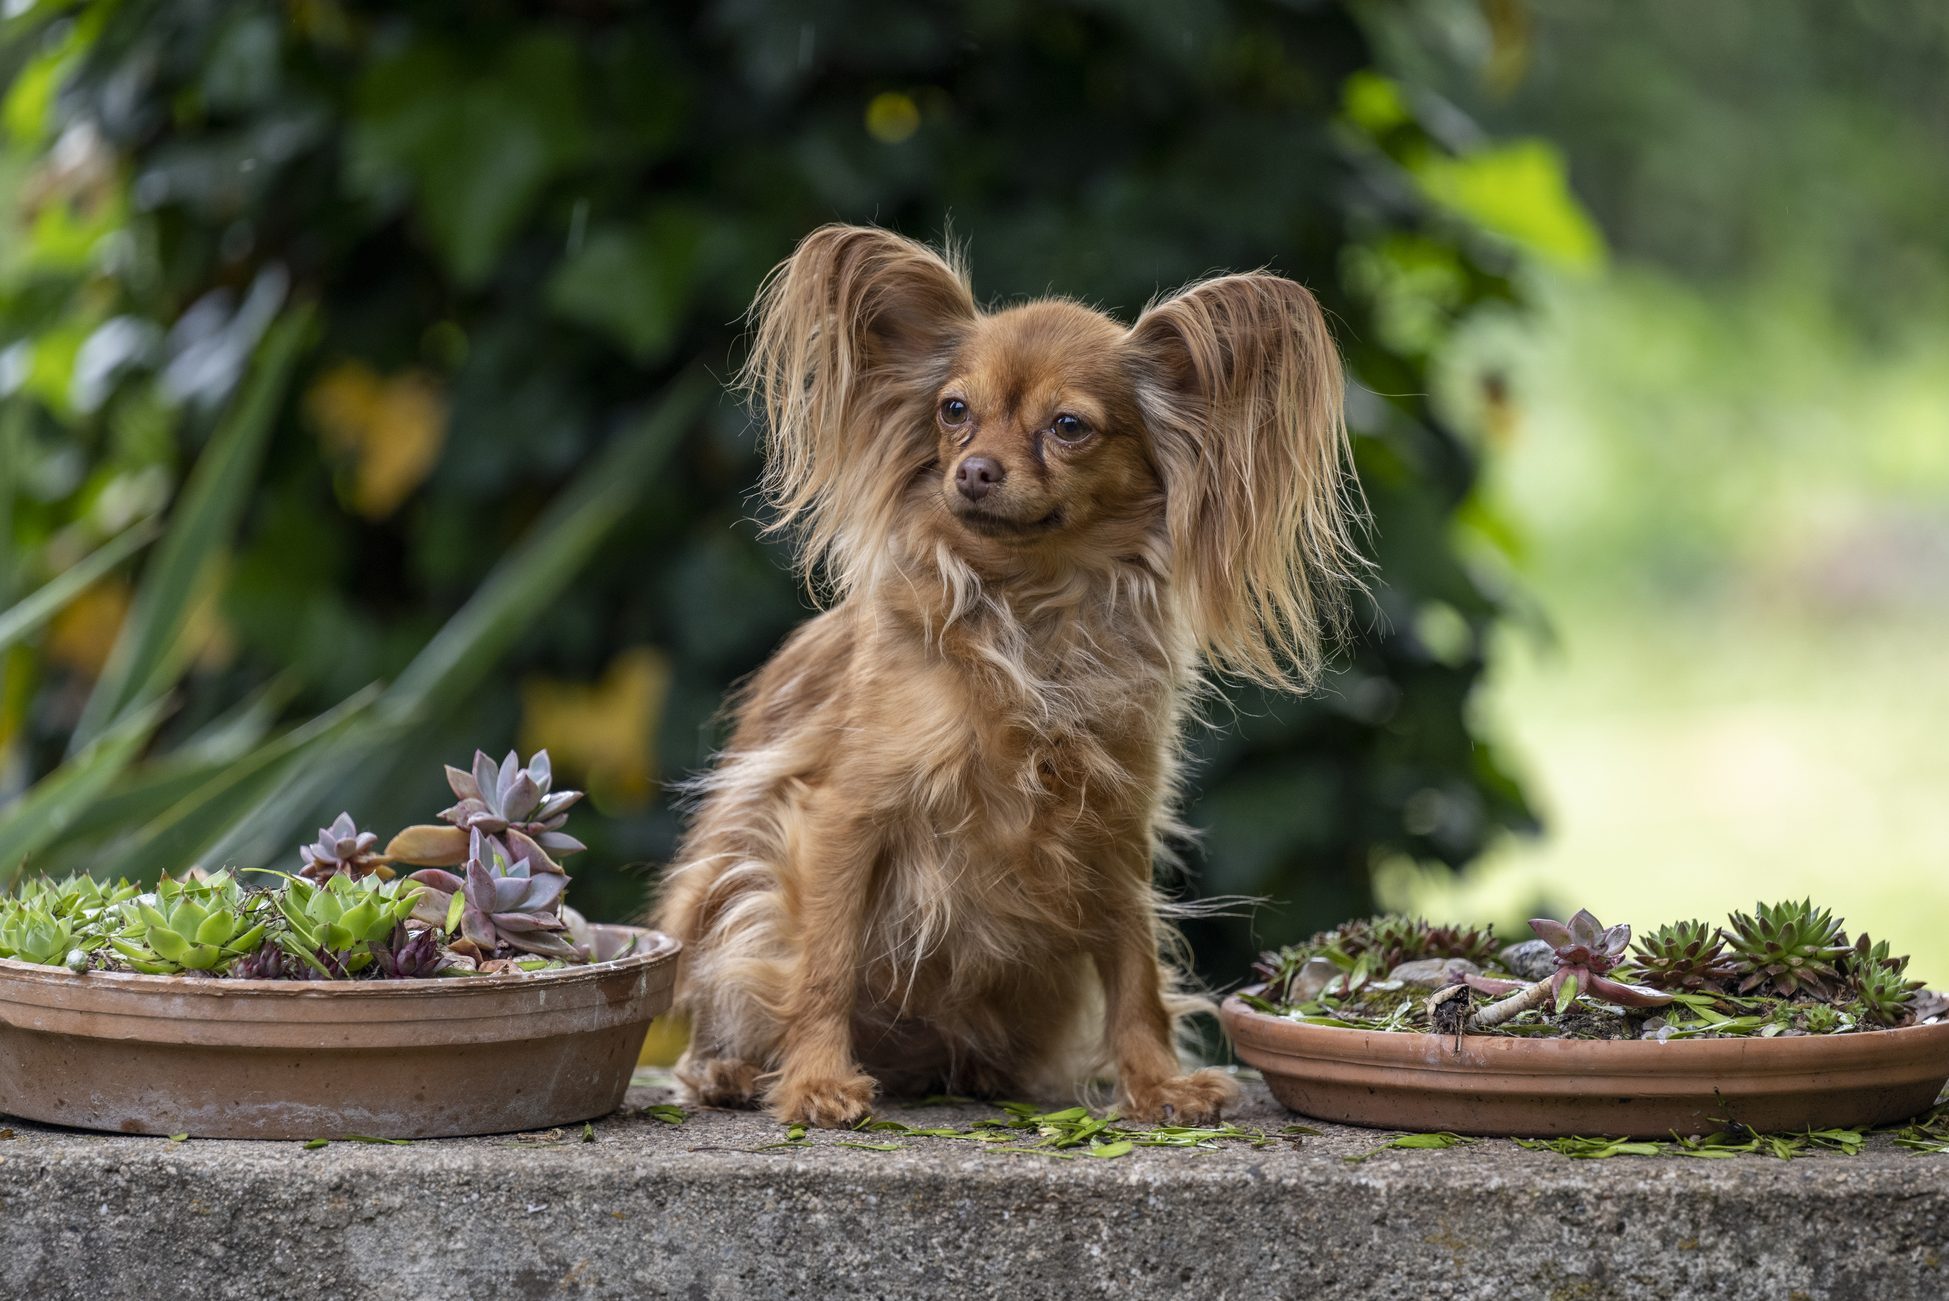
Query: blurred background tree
point(1723, 456)
point(497, 243)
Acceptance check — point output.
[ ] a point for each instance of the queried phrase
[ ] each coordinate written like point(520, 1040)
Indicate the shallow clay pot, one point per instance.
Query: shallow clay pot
point(1485, 1084)
point(218, 1058)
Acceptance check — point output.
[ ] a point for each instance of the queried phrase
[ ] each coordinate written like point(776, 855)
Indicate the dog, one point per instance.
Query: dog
point(926, 858)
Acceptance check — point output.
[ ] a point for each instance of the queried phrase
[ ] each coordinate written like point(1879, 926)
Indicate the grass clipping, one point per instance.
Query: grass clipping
point(1026, 1130)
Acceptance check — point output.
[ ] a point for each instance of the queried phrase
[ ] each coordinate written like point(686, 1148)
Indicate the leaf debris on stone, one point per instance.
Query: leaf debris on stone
point(1026, 1129)
point(1722, 1144)
point(1413, 1142)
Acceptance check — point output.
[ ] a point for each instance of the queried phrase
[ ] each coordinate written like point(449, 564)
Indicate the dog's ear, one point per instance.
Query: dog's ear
point(854, 335)
point(1241, 388)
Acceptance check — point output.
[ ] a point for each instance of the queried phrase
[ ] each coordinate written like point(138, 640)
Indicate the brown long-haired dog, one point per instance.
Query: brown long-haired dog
point(925, 859)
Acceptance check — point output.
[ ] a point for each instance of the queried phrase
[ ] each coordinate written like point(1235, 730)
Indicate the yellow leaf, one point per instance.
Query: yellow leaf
point(604, 730)
point(892, 118)
point(80, 636)
point(389, 430)
point(429, 845)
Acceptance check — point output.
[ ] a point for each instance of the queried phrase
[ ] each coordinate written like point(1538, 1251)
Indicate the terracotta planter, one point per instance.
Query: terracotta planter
point(294, 1059)
point(1549, 1087)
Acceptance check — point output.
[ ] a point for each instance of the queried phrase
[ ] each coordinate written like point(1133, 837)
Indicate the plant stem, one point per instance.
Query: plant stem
point(1515, 1005)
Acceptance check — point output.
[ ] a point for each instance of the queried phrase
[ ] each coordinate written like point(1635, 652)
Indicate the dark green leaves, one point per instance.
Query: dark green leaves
point(631, 282)
point(473, 145)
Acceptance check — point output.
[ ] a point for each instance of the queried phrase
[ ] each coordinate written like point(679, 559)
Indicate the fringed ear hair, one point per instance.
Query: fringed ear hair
point(854, 335)
point(1241, 388)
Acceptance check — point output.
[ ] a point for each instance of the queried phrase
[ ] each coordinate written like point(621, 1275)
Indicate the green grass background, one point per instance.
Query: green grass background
point(1732, 511)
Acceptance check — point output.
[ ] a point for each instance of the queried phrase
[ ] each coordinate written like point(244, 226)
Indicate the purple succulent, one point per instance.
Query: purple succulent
point(342, 849)
point(514, 802)
point(265, 962)
point(408, 955)
point(1585, 952)
point(505, 902)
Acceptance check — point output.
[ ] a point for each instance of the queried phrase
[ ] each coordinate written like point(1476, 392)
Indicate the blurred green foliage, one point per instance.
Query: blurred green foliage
point(1752, 401)
point(1726, 142)
point(516, 228)
point(1726, 457)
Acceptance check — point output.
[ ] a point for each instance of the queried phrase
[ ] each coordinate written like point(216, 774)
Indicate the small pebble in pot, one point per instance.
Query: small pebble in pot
point(1530, 960)
point(1433, 973)
point(1312, 978)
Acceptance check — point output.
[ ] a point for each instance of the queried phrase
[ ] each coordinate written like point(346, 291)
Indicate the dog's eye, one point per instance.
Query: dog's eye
point(954, 412)
point(1069, 428)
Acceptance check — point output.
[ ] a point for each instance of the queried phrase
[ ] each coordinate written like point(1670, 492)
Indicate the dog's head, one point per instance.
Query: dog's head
point(1209, 433)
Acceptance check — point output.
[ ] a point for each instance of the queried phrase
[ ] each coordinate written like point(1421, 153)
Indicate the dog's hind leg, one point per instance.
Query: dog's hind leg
point(719, 1081)
point(732, 1042)
point(732, 979)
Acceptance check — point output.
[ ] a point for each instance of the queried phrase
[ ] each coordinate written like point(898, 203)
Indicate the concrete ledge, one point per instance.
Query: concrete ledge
point(650, 1209)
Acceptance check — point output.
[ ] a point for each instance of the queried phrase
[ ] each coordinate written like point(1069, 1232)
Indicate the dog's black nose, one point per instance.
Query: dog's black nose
point(978, 476)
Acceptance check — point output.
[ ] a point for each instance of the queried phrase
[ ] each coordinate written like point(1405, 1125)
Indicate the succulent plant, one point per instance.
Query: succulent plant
point(1787, 949)
point(513, 798)
point(1886, 997)
point(1392, 939)
point(346, 913)
point(1685, 956)
point(1585, 952)
point(195, 924)
point(410, 954)
point(343, 850)
point(504, 902)
point(29, 933)
point(1475, 943)
point(79, 898)
point(332, 926)
point(1879, 982)
point(1278, 971)
point(512, 803)
point(1865, 952)
point(265, 962)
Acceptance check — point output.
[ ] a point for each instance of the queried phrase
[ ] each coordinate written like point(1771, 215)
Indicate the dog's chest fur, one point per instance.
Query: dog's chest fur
point(1022, 759)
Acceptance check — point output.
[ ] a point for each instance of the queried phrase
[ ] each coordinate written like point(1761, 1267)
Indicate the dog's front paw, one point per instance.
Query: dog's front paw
point(1195, 1099)
point(830, 1103)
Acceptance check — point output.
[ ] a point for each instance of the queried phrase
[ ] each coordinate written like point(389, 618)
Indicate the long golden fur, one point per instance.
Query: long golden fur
point(925, 859)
